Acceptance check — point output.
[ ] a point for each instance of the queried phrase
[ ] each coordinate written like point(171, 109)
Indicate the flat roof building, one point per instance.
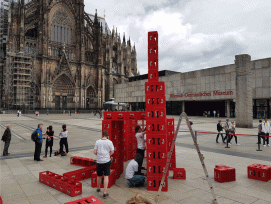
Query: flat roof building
point(246, 82)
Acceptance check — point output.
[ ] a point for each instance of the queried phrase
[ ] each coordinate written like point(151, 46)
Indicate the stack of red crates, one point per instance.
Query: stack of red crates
point(156, 125)
point(259, 172)
point(170, 137)
point(223, 173)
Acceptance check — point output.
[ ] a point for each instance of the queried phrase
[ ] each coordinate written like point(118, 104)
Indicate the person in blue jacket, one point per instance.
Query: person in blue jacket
point(38, 143)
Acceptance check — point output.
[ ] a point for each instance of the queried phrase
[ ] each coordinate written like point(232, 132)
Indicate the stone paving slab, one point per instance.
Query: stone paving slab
point(19, 173)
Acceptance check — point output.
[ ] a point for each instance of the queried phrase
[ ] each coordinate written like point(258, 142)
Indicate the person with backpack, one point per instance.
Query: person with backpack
point(37, 138)
point(63, 135)
point(49, 140)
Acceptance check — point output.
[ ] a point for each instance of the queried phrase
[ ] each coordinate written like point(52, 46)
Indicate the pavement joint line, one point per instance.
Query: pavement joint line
point(82, 127)
point(13, 133)
point(30, 154)
point(226, 152)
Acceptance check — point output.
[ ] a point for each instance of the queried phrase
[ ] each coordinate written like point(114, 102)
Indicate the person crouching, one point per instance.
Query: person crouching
point(133, 176)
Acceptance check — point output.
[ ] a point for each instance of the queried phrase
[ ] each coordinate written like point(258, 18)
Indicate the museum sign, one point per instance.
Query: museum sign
point(202, 94)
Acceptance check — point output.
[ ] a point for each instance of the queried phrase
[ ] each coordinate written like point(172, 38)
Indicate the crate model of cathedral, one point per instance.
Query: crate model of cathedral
point(60, 57)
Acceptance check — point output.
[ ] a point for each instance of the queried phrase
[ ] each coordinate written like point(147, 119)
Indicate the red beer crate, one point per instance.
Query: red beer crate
point(153, 76)
point(107, 125)
point(154, 182)
point(157, 155)
point(179, 173)
point(1, 201)
point(156, 141)
point(156, 168)
point(90, 199)
point(114, 115)
point(156, 127)
point(72, 188)
point(153, 51)
point(153, 38)
point(111, 179)
point(223, 173)
point(259, 172)
point(155, 88)
point(172, 165)
point(153, 63)
point(80, 174)
point(75, 160)
point(156, 114)
point(155, 101)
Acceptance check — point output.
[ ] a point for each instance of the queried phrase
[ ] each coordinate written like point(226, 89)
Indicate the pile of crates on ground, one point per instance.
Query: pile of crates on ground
point(69, 182)
point(259, 172)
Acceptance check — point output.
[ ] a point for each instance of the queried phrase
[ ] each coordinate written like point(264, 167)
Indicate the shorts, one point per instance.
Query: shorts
point(103, 169)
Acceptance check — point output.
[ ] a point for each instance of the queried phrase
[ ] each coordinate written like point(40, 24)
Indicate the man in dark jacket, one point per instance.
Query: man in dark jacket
point(6, 139)
point(38, 143)
point(219, 131)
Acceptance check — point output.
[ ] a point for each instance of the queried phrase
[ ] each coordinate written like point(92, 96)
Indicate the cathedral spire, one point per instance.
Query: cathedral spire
point(96, 18)
point(124, 37)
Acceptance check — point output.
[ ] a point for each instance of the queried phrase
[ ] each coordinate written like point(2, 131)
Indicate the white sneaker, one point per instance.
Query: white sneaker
point(264, 145)
point(268, 145)
point(229, 143)
point(238, 144)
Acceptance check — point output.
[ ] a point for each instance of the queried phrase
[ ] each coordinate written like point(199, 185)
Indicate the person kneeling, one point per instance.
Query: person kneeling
point(134, 178)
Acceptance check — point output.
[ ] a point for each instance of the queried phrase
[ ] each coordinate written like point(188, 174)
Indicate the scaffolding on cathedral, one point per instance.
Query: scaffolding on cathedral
point(20, 81)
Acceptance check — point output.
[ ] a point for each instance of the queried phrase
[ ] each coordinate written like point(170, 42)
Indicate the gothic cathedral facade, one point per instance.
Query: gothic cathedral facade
point(76, 58)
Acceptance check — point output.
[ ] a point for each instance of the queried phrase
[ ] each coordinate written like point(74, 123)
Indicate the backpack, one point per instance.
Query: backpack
point(34, 136)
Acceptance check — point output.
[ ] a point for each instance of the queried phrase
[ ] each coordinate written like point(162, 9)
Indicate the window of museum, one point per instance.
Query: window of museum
point(61, 27)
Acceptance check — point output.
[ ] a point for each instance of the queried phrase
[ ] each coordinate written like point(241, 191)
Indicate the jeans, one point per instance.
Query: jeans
point(5, 152)
point(136, 180)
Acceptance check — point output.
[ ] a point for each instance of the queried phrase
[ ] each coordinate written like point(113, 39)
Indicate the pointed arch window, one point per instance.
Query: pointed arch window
point(61, 27)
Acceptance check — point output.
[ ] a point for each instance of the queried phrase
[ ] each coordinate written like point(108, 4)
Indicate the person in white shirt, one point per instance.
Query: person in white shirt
point(132, 175)
point(103, 148)
point(63, 135)
point(266, 131)
point(214, 112)
point(140, 145)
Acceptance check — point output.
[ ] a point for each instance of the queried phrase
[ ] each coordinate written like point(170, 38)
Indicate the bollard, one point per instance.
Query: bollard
point(259, 143)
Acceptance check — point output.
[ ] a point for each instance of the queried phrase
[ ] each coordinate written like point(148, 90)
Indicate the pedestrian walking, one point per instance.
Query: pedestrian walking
point(260, 132)
point(47, 111)
point(18, 113)
point(104, 149)
point(49, 140)
point(232, 130)
point(214, 113)
point(219, 131)
point(266, 131)
point(134, 178)
point(63, 135)
point(140, 137)
point(38, 142)
point(227, 129)
point(6, 138)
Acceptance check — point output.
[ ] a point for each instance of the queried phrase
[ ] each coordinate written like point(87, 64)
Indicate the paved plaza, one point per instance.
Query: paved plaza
point(19, 173)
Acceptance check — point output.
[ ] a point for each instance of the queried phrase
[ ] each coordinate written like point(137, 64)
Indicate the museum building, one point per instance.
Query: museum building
point(206, 90)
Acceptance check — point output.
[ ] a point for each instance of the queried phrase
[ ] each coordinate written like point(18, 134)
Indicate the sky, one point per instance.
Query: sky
point(193, 34)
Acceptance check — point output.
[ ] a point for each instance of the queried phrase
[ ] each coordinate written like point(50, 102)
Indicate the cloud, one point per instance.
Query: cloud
point(193, 34)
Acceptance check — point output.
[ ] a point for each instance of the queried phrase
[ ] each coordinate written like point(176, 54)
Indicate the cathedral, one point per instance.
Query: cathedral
point(60, 57)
